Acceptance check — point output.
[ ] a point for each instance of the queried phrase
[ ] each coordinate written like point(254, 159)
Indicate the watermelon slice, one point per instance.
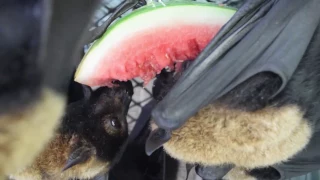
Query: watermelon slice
point(150, 39)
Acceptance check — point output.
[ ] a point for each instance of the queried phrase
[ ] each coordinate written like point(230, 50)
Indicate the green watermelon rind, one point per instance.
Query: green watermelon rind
point(159, 6)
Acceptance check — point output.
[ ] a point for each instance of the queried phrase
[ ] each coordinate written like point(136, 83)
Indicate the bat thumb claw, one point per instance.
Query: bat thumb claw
point(156, 140)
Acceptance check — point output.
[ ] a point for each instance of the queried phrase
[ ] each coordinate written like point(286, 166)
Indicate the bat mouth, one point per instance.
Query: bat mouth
point(167, 79)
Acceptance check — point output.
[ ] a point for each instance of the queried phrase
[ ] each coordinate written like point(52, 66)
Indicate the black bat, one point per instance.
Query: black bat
point(91, 133)
point(237, 54)
point(249, 101)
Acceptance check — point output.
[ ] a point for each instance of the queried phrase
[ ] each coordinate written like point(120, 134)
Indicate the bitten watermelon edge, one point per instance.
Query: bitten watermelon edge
point(149, 39)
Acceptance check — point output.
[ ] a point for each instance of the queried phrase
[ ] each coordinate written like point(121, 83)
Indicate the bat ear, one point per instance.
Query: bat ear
point(80, 152)
point(87, 91)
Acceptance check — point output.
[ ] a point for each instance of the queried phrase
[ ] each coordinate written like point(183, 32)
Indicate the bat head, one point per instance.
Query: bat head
point(97, 124)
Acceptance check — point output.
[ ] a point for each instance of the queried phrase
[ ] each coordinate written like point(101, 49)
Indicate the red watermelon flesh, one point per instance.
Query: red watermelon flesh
point(144, 43)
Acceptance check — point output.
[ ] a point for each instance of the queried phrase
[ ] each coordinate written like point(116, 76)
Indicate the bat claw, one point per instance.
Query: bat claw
point(156, 140)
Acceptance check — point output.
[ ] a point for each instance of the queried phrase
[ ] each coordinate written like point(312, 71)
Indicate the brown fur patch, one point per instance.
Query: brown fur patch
point(218, 135)
point(52, 160)
point(153, 126)
point(238, 173)
point(24, 134)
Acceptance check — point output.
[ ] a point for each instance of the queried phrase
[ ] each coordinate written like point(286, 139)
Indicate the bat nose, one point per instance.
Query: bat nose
point(129, 87)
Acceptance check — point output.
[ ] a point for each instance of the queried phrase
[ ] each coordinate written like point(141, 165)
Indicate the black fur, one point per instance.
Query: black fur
point(247, 98)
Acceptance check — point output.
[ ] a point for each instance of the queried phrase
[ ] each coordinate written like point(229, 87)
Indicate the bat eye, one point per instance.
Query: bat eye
point(112, 125)
point(115, 123)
